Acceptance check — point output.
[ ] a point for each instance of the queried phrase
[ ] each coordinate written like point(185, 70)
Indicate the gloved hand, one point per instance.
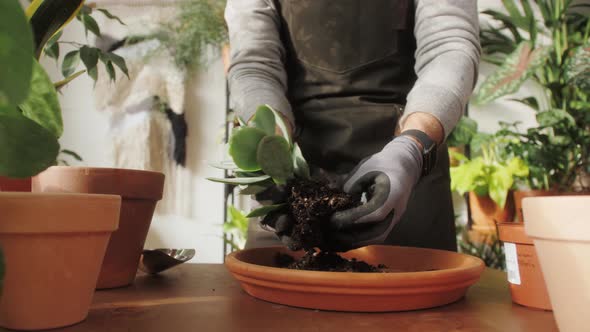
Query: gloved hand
point(387, 178)
point(279, 221)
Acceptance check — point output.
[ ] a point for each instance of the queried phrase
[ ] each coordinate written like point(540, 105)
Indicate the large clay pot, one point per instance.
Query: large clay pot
point(519, 195)
point(560, 228)
point(140, 191)
point(527, 285)
point(53, 245)
point(8, 184)
point(485, 213)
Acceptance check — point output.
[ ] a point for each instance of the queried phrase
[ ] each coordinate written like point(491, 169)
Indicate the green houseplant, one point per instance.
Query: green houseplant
point(31, 239)
point(488, 177)
point(553, 51)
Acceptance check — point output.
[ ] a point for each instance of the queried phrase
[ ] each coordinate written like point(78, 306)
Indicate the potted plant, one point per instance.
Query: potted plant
point(550, 49)
point(61, 237)
point(267, 163)
point(489, 179)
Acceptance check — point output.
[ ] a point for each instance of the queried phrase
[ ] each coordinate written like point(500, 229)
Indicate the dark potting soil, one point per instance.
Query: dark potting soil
point(326, 261)
point(311, 204)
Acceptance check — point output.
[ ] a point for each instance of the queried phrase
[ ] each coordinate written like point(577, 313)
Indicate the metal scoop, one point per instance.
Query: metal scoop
point(158, 260)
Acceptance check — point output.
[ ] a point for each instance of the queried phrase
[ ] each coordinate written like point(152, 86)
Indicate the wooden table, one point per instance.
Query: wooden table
point(206, 298)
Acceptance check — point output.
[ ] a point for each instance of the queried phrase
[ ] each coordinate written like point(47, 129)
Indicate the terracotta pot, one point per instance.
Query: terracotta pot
point(21, 185)
point(560, 228)
point(53, 247)
point(527, 285)
point(485, 213)
point(140, 191)
point(519, 195)
point(417, 278)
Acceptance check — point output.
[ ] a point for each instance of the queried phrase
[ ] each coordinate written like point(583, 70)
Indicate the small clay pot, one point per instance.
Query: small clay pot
point(560, 228)
point(525, 277)
point(53, 248)
point(19, 185)
point(140, 191)
point(485, 213)
point(519, 195)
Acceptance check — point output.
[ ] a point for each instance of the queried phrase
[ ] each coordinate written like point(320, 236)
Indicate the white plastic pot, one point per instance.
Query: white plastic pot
point(560, 228)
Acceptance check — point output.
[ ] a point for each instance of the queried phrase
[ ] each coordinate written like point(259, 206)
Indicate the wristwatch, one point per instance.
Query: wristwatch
point(429, 149)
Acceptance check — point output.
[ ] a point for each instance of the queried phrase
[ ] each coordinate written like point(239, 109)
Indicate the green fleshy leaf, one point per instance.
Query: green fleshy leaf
point(241, 181)
point(283, 126)
point(264, 119)
point(226, 165)
point(517, 68)
point(42, 104)
point(26, 148)
point(577, 68)
point(70, 63)
point(243, 144)
point(262, 211)
point(274, 157)
point(300, 166)
point(16, 53)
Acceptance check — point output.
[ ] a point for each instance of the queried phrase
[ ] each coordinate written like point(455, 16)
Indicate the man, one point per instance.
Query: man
point(338, 71)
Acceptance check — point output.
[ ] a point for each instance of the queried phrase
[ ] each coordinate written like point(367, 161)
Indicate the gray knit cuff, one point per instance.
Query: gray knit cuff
point(442, 103)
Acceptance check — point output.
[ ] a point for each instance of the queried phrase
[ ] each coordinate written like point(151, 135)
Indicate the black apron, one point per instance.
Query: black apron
point(350, 65)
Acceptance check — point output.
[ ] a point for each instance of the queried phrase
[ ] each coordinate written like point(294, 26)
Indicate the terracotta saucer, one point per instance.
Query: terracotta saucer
point(417, 278)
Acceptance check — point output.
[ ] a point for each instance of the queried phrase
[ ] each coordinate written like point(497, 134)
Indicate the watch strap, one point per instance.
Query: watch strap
point(429, 149)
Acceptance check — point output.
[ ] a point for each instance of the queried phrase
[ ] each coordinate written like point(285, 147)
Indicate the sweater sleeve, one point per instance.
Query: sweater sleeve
point(447, 58)
point(257, 74)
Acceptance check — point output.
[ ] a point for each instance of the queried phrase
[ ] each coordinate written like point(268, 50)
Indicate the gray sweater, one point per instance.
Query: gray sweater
point(447, 57)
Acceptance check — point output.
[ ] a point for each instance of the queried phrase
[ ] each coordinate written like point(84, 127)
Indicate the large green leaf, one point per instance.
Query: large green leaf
point(300, 165)
point(50, 17)
point(243, 145)
point(577, 69)
point(283, 126)
point(517, 68)
point(264, 119)
point(274, 157)
point(26, 148)
point(552, 117)
point(42, 104)
point(241, 181)
point(16, 53)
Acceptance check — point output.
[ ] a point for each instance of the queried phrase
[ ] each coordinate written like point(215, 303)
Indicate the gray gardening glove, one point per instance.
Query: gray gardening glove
point(387, 178)
point(280, 221)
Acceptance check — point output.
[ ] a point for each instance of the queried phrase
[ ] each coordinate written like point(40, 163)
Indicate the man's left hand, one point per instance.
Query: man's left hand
point(387, 178)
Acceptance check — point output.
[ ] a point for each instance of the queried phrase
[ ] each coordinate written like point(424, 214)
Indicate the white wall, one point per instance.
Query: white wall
point(86, 132)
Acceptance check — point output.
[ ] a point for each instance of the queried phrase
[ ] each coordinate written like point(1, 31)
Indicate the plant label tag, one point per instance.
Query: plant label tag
point(512, 263)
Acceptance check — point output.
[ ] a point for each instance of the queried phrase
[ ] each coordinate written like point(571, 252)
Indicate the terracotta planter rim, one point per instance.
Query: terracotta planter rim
point(513, 232)
point(118, 181)
point(545, 209)
point(471, 268)
point(24, 209)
